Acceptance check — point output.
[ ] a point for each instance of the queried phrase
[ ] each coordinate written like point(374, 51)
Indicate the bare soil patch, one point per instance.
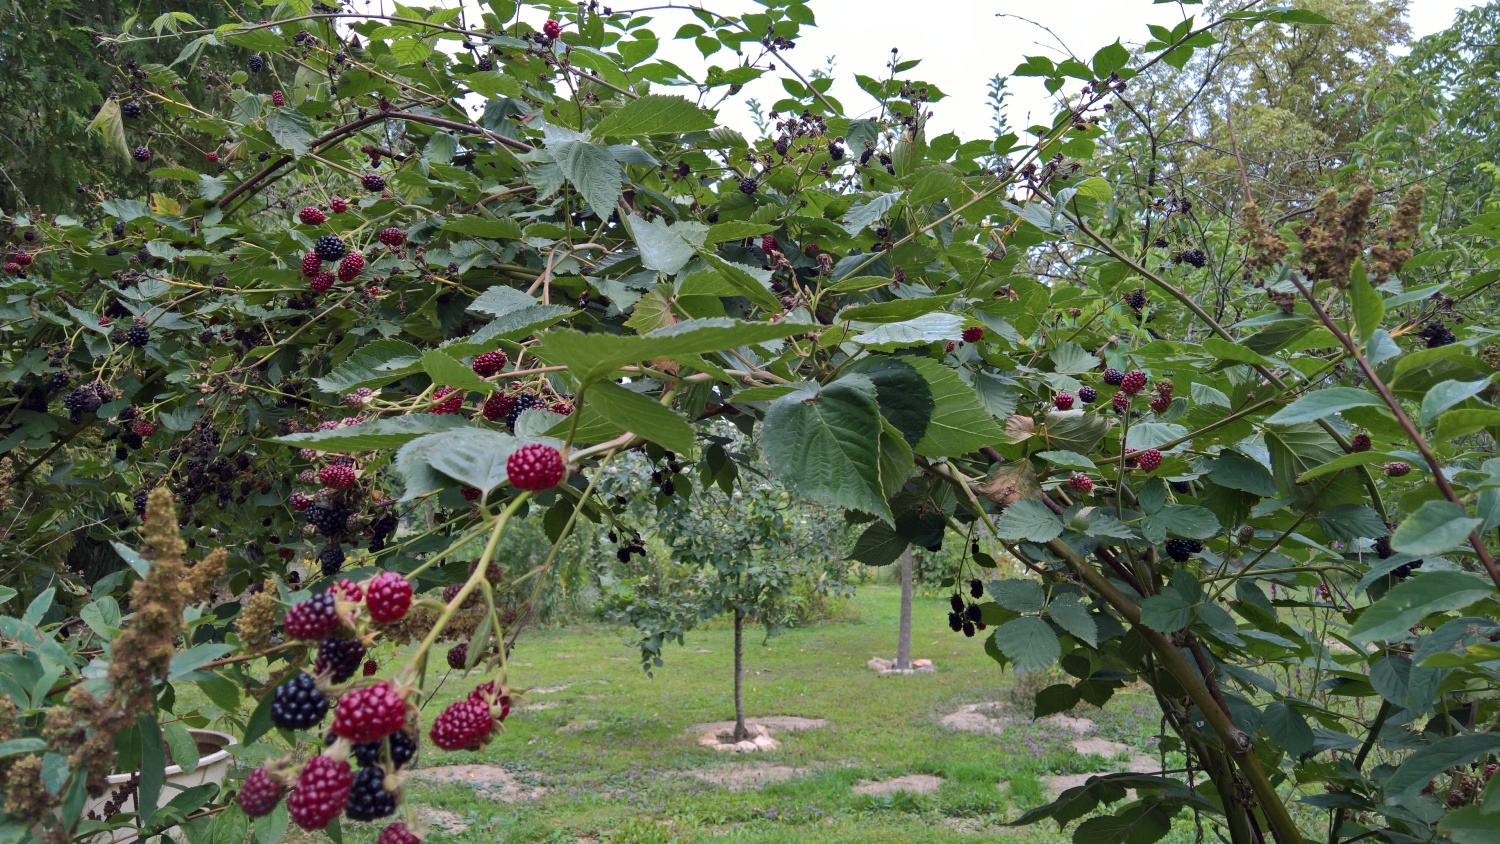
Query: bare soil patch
point(911, 784)
point(994, 718)
point(748, 777)
point(719, 735)
point(492, 781)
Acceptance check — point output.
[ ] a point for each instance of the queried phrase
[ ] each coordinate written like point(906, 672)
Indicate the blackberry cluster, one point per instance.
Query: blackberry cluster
point(1136, 299)
point(257, 63)
point(965, 617)
point(523, 403)
point(403, 749)
point(297, 704)
point(330, 519)
point(131, 109)
point(139, 502)
point(368, 799)
point(1405, 569)
point(1437, 334)
point(748, 185)
point(340, 658)
point(138, 336)
point(86, 399)
point(331, 558)
point(1195, 257)
point(1181, 549)
point(624, 552)
point(486, 63)
point(1181, 487)
point(381, 529)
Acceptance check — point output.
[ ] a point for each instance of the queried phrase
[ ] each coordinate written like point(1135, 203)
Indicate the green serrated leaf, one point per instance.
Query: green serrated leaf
point(655, 114)
point(826, 446)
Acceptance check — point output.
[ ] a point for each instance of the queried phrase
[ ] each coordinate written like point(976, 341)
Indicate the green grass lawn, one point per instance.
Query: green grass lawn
point(614, 753)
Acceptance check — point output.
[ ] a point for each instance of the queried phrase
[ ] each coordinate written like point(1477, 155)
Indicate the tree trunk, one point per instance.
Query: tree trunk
point(903, 635)
point(740, 734)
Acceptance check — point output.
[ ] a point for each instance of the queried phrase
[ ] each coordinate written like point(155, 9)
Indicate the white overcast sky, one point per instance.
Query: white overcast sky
point(962, 44)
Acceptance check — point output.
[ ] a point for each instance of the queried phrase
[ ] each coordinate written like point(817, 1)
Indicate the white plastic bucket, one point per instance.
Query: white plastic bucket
point(213, 765)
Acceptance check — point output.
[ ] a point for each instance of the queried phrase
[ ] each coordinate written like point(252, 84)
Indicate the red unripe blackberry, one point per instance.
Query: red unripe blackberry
point(339, 658)
point(338, 205)
point(1245, 535)
point(311, 264)
point(949, 349)
point(278, 99)
point(373, 183)
point(1133, 382)
point(470, 493)
point(322, 282)
point(534, 467)
point(388, 597)
point(348, 590)
point(300, 502)
point(1113, 377)
point(1397, 469)
point(369, 713)
point(352, 265)
point(397, 833)
point(213, 157)
point(23, 258)
point(1161, 404)
point(144, 429)
point(464, 725)
point(446, 400)
point(1081, 483)
point(337, 476)
point(1121, 402)
point(1149, 459)
point(1063, 401)
point(312, 619)
point(498, 406)
point(487, 694)
point(489, 363)
point(1359, 442)
point(768, 244)
point(1165, 387)
point(141, 154)
point(12, 267)
point(1087, 394)
point(312, 216)
point(973, 334)
point(298, 703)
point(458, 656)
point(392, 237)
point(552, 29)
point(371, 666)
point(321, 792)
point(260, 793)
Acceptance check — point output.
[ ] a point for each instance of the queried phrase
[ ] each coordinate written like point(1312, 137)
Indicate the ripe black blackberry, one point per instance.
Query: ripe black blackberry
point(836, 151)
point(747, 185)
point(1114, 377)
point(139, 502)
point(968, 628)
point(458, 656)
point(141, 154)
point(783, 144)
point(368, 799)
point(1180, 549)
point(257, 63)
point(1194, 257)
point(131, 439)
point(330, 519)
point(131, 109)
point(340, 658)
point(381, 529)
point(1136, 299)
point(1087, 394)
point(1437, 334)
point(955, 621)
point(138, 336)
point(1405, 569)
point(524, 402)
point(297, 704)
point(329, 247)
point(972, 613)
point(976, 587)
point(403, 748)
point(1181, 487)
point(1383, 548)
point(331, 558)
point(957, 602)
point(486, 63)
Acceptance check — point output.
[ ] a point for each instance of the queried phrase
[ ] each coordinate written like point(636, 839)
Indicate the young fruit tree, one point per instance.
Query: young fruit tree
point(384, 285)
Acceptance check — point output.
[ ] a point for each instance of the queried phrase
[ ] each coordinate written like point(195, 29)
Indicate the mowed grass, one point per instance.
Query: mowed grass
point(614, 751)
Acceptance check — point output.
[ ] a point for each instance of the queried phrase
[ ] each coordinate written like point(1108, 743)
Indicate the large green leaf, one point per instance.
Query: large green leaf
point(1419, 768)
point(1028, 520)
point(905, 397)
point(895, 310)
point(1167, 612)
point(753, 284)
point(639, 414)
point(593, 171)
point(1028, 643)
point(827, 446)
point(655, 114)
point(959, 423)
point(1448, 393)
point(1286, 726)
point(1472, 825)
point(474, 456)
point(1436, 528)
point(592, 356)
point(447, 372)
point(389, 432)
point(1018, 595)
point(1323, 403)
point(666, 248)
point(879, 545)
point(291, 130)
point(918, 331)
point(373, 365)
point(1415, 598)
